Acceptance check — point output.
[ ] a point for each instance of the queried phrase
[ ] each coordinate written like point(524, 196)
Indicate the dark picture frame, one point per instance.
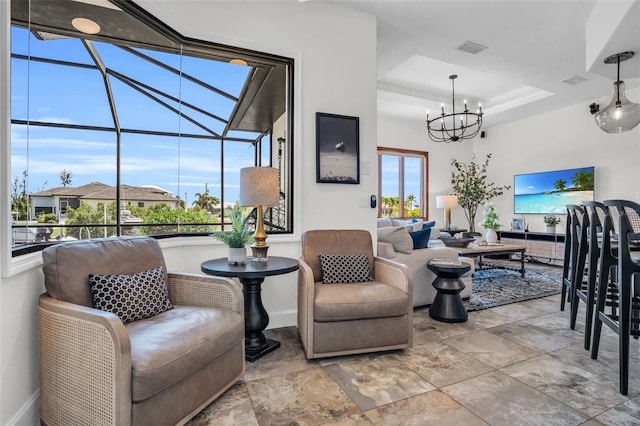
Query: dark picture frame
point(337, 148)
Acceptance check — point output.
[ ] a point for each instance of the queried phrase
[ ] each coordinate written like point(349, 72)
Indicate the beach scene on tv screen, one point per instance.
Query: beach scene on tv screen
point(549, 192)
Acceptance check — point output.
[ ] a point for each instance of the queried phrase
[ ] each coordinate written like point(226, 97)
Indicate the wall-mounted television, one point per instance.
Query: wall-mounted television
point(549, 192)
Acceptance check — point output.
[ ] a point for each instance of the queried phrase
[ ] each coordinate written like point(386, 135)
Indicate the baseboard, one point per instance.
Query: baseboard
point(283, 319)
point(29, 414)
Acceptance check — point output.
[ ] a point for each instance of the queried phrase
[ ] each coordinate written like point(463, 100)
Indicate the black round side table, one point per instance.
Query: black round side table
point(447, 305)
point(251, 276)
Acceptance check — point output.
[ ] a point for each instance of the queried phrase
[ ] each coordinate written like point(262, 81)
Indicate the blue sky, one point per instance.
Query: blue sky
point(391, 178)
point(535, 183)
point(60, 94)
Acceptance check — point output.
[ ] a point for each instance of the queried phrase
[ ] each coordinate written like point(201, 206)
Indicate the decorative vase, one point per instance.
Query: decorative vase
point(237, 256)
point(551, 229)
point(491, 236)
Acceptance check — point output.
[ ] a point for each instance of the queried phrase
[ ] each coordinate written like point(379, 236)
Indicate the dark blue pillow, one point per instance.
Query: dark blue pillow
point(429, 225)
point(420, 238)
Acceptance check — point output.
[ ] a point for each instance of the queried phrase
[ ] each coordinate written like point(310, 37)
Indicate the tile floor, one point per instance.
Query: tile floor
point(510, 365)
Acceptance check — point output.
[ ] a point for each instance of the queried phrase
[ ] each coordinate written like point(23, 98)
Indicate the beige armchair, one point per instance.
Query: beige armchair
point(160, 370)
point(346, 318)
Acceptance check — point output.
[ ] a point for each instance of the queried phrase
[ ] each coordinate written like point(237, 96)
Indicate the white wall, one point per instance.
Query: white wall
point(335, 53)
point(561, 139)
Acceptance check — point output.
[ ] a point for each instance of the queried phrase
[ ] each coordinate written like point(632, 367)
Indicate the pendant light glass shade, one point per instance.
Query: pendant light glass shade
point(621, 114)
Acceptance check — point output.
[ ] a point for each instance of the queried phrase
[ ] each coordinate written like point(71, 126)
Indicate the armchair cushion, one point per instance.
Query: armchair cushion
point(131, 297)
point(344, 268)
point(162, 353)
point(356, 301)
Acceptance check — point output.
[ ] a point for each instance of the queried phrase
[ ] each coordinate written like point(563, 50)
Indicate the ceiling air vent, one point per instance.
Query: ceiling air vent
point(471, 47)
point(574, 80)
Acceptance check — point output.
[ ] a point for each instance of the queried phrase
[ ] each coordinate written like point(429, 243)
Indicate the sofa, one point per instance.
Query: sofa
point(395, 242)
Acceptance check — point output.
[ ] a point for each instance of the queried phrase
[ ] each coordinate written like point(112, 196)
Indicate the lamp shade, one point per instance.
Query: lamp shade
point(446, 201)
point(620, 115)
point(259, 187)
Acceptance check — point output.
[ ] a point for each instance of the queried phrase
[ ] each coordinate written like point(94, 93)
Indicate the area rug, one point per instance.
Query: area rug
point(497, 287)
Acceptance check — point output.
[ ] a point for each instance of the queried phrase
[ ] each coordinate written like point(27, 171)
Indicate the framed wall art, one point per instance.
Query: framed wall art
point(337, 148)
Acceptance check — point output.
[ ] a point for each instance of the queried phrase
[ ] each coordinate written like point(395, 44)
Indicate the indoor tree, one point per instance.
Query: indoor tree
point(470, 184)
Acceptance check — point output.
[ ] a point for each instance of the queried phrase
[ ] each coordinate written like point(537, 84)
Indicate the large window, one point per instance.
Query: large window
point(135, 129)
point(402, 183)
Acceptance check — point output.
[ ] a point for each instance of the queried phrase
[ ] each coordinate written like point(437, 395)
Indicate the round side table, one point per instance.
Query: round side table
point(447, 305)
point(251, 275)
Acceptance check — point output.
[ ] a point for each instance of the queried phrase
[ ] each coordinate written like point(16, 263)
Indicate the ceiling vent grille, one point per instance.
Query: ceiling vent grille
point(471, 47)
point(574, 80)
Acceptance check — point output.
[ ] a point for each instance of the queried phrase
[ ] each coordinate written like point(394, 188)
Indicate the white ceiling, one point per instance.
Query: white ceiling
point(532, 47)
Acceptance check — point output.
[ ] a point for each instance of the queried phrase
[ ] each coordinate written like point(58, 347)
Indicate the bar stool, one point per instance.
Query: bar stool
point(623, 220)
point(566, 263)
point(579, 268)
point(575, 214)
point(595, 212)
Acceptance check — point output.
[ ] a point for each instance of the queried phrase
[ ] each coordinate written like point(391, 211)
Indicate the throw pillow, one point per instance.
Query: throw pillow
point(398, 237)
point(417, 224)
point(435, 233)
point(344, 268)
point(384, 222)
point(429, 224)
point(131, 297)
point(420, 238)
point(401, 222)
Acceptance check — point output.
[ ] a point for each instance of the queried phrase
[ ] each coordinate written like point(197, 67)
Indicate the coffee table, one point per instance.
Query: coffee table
point(494, 249)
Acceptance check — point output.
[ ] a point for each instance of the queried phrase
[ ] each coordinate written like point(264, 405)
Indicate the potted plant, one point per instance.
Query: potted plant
point(238, 236)
point(490, 222)
point(470, 184)
point(551, 221)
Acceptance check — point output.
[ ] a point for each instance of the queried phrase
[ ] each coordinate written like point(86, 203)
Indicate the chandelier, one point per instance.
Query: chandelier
point(621, 114)
point(456, 126)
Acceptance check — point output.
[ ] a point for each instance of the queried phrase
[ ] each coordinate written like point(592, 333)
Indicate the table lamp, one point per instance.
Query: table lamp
point(447, 202)
point(259, 188)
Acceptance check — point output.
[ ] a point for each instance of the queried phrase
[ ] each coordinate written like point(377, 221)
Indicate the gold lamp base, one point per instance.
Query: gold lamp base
point(259, 254)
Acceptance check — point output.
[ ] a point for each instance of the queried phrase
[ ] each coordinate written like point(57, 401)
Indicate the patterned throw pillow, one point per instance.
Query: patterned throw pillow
point(344, 268)
point(131, 297)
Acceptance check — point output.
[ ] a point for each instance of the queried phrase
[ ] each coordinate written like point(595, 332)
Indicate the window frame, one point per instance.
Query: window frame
point(402, 154)
point(193, 46)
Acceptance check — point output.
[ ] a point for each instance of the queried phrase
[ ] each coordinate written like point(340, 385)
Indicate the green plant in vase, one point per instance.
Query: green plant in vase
point(472, 186)
point(551, 221)
point(490, 222)
point(238, 236)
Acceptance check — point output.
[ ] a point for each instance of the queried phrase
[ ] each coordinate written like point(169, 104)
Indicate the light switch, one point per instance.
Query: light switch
point(366, 167)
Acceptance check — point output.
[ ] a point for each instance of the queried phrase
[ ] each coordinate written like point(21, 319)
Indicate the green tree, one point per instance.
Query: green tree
point(205, 200)
point(65, 177)
point(19, 196)
point(583, 181)
point(560, 185)
point(93, 218)
point(162, 219)
point(470, 184)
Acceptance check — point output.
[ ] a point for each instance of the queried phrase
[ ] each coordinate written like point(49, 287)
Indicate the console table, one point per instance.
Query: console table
point(251, 276)
point(537, 244)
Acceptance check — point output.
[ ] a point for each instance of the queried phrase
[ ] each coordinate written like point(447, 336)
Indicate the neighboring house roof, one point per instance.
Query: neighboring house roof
point(100, 191)
point(69, 191)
